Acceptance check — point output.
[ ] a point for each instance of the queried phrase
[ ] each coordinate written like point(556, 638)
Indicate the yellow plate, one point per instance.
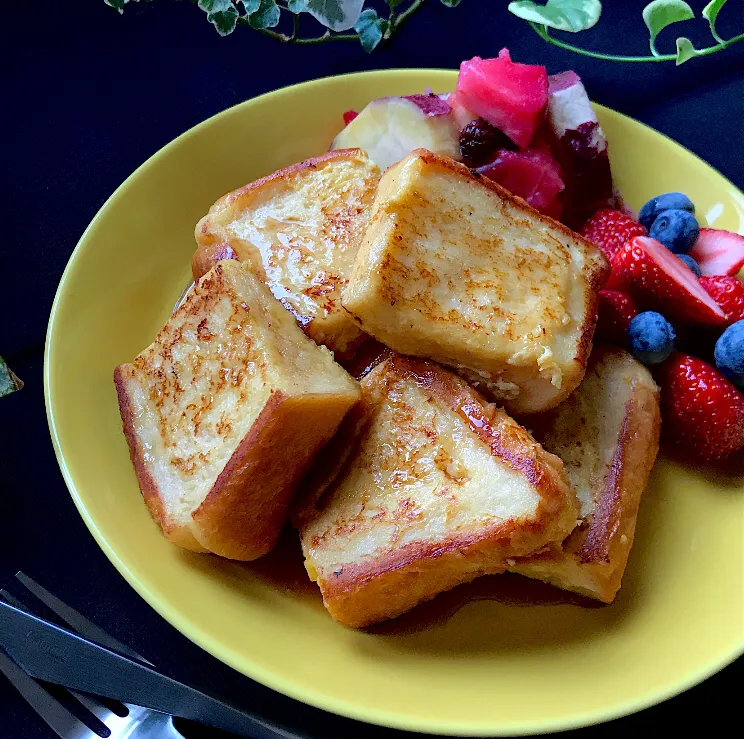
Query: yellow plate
point(478, 661)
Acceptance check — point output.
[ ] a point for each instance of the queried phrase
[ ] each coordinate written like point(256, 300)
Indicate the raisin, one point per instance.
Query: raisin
point(479, 141)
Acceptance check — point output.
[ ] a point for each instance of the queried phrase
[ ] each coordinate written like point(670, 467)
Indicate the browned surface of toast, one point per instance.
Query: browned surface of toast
point(607, 434)
point(224, 412)
point(456, 269)
point(425, 486)
point(304, 225)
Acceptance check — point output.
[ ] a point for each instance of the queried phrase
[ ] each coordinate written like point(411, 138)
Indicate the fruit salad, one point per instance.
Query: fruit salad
point(675, 297)
point(535, 134)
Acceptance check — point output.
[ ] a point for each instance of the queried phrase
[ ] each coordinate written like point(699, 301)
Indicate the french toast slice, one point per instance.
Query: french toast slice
point(304, 224)
point(425, 486)
point(224, 411)
point(456, 269)
point(607, 434)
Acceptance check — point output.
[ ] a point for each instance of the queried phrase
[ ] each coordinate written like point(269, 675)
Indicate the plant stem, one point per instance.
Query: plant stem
point(542, 32)
point(327, 36)
point(394, 21)
point(398, 21)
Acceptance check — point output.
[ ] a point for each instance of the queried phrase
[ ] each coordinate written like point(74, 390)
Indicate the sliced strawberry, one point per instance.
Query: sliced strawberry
point(616, 311)
point(609, 229)
point(349, 116)
point(702, 412)
point(718, 252)
point(656, 279)
point(728, 292)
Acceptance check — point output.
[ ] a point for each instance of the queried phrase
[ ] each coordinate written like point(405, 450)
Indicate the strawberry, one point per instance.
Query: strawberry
point(616, 311)
point(718, 252)
point(349, 116)
point(609, 229)
point(728, 292)
point(702, 412)
point(658, 280)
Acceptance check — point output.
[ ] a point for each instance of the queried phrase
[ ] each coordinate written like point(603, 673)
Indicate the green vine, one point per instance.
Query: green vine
point(350, 20)
point(342, 20)
point(579, 15)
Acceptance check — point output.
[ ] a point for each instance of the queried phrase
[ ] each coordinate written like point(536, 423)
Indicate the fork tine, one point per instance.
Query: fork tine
point(97, 708)
point(59, 719)
point(76, 620)
point(8, 598)
point(100, 706)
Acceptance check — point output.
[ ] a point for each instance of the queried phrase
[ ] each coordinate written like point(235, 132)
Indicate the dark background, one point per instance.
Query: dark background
point(88, 95)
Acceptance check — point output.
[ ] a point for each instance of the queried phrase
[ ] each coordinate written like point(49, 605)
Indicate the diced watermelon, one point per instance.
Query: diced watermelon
point(533, 175)
point(508, 95)
point(718, 252)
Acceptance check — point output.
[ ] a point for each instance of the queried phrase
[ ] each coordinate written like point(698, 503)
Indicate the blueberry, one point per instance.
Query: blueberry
point(729, 353)
point(668, 201)
point(691, 263)
point(678, 230)
point(651, 337)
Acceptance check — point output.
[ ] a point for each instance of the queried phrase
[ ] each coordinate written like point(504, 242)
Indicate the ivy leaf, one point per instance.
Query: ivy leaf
point(215, 6)
point(224, 21)
point(222, 14)
point(371, 29)
point(9, 383)
point(119, 4)
point(563, 15)
point(267, 15)
point(338, 15)
point(710, 13)
point(296, 6)
point(685, 50)
point(451, 3)
point(659, 14)
point(251, 6)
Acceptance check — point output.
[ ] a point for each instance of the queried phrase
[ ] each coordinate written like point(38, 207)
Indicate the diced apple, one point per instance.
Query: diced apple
point(533, 175)
point(460, 113)
point(389, 128)
point(430, 103)
point(508, 95)
point(581, 147)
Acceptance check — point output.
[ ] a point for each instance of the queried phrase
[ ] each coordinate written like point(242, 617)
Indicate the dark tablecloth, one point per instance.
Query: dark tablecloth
point(89, 95)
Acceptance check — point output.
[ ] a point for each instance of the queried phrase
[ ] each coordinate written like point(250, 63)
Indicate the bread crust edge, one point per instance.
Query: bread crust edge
point(363, 594)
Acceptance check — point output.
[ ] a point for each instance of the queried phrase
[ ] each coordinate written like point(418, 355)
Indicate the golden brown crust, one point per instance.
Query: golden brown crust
point(221, 482)
point(394, 580)
point(430, 213)
point(205, 257)
point(204, 234)
point(369, 353)
point(464, 171)
point(617, 508)
point(597, 277)
point(597, 280)
point(179, 535)
point(593, 558)
point(303, 225)
point(509, 442)
point(253, 491)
